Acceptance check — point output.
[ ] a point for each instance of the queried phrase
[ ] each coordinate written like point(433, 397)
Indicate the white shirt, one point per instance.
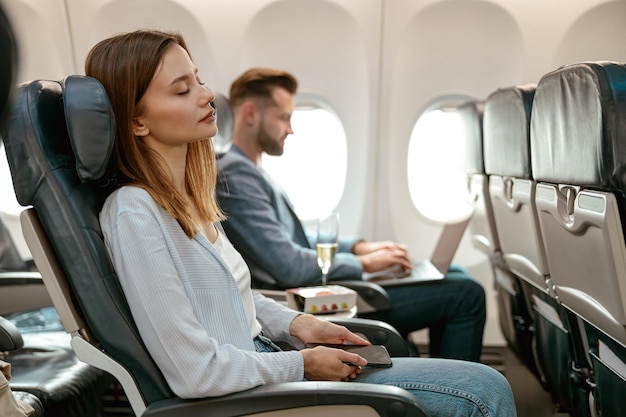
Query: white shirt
point(240, 271)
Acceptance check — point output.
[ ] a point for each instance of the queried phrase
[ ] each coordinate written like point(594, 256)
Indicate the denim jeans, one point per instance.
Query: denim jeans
point(453, 309)
point(265, 344)
point(448, 388)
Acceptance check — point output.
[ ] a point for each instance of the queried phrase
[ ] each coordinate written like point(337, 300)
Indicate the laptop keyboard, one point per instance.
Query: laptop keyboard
point(424, 269)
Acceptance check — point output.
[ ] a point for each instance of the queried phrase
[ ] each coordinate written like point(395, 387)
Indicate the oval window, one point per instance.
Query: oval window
point(437, 184)
point(312, 169)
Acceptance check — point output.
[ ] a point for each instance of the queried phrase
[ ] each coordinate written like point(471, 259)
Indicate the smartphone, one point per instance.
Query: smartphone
point(376, 355)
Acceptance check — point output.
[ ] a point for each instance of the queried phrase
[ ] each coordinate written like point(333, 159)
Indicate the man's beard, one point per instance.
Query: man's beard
point(270, 145)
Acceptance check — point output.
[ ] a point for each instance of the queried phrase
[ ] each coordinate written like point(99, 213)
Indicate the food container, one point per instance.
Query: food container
point(321, 300)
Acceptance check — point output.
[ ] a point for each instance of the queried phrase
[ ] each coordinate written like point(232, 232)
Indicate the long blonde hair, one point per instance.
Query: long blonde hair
point(125, 65)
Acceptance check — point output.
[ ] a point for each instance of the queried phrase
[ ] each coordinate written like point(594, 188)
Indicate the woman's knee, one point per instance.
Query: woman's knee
point(445, 385)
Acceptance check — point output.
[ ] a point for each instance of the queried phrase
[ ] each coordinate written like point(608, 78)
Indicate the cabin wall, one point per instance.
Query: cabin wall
point(378, 63)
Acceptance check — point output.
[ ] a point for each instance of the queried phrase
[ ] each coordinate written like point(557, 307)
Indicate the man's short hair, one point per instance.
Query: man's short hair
point(259, 83)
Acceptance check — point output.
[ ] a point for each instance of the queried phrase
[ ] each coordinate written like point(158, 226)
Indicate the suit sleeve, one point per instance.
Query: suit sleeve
point(255, 230)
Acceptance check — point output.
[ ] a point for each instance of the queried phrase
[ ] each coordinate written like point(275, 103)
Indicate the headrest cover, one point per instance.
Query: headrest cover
point(8, 60)
point(90, 125)
point(578, 126)
point(506, 131)
point(224, 137)
point(471, 117)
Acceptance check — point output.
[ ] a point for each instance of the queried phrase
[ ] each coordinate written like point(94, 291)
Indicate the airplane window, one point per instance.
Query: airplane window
point(312, 169)
point(437, 184)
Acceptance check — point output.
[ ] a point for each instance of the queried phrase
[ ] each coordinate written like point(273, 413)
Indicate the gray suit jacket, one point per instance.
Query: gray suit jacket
point(263, 227)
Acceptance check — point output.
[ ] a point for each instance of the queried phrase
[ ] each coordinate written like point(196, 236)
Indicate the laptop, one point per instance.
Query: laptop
point(432, 269)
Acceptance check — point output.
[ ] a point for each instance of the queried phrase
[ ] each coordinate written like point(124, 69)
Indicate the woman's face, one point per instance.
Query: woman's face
point(176, 107)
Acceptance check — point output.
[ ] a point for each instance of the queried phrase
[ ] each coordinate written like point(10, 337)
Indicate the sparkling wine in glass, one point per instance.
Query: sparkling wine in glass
point(327, 242)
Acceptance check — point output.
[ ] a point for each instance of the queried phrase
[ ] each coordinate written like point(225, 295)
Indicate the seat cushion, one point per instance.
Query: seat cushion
point(32, 400)
point(48, 368)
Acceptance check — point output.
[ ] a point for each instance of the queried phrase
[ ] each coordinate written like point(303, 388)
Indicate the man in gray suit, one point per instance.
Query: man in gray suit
point(264, 228)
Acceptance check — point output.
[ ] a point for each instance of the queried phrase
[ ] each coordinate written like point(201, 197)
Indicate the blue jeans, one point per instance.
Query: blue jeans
point(453, 309)
point(448, 388)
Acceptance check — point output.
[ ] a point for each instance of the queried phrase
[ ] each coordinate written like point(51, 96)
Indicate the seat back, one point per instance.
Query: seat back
point(482, 227)
point(62, 190)
point(542, 327)
point(578, 153)
point(506, 130)
point(224, 138)
point(579, 160)
point(506, 142)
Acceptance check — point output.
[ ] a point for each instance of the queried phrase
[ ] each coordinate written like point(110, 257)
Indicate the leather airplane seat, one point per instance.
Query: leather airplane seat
point(578, 153)
point(541, 324)
point(58, 144)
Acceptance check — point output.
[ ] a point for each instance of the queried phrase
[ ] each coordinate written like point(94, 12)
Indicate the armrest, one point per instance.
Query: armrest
point(387, 401)
point(371, 296)
point(378, 333)
point(10, 336)
point(22, 291)
point(20, 277)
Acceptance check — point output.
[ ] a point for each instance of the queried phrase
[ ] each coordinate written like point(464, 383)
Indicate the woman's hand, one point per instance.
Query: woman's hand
point(329, 364)
point(309, 329)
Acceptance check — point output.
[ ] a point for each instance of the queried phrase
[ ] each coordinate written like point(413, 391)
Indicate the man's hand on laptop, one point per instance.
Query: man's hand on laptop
point(377, 256)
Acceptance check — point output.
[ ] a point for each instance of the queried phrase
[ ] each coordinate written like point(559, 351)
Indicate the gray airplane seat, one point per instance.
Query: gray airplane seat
point(484, 233)
point(545, 339)
point(224, 114)
point(482, 227)
point(578, 153)
point(506, 127)
point(58, 142)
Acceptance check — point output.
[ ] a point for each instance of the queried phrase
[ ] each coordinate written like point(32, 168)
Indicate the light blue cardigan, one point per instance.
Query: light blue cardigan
point(186, 303)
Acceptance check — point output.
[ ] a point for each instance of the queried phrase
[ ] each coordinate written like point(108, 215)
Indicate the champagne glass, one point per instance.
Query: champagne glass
point(327, 242)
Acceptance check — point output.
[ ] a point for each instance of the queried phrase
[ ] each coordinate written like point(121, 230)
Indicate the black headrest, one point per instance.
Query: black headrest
point(90, 125)
point(224, 137)
point(471, 117)
point(506, 131)
point(578, 128)
point(8, 62)
point(45, 175)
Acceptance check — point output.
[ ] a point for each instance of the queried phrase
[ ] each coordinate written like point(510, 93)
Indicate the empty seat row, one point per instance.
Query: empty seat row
point(547, 167)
